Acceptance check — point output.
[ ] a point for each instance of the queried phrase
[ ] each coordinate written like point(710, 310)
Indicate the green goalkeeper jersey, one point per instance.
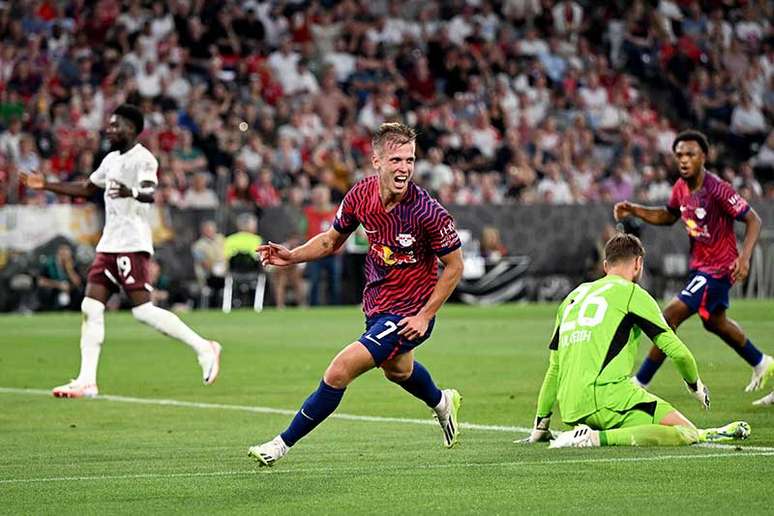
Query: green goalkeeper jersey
point(594, 346)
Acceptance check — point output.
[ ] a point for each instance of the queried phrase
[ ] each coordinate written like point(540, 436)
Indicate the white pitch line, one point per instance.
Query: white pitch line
point(376, 469)
point(347, 417)
point(269, 410)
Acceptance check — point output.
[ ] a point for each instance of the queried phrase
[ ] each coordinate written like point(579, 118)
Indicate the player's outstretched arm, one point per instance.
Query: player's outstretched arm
point(647, 315)
point(741, 266)
point(84, 188)
point(320, 246)
point(657, 215)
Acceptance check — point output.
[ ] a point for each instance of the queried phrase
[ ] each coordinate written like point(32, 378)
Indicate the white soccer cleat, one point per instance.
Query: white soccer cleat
point(765, 401)
point(210, 363)
point(75, 389)
point(579, 437)
point(268, 453)
point(738, 430)
point(761, 374)
point(447, 417)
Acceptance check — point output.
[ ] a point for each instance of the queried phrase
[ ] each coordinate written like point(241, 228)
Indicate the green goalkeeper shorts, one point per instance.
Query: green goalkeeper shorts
point(628, 406)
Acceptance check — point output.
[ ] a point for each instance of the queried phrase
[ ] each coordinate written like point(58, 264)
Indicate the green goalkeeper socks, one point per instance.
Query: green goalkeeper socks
point(649, 435)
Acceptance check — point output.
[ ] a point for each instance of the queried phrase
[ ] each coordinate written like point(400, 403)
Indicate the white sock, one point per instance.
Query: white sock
point(279, 440)
point(762, 365)
point(168, 323)
point(443, 405)
point(92, 335)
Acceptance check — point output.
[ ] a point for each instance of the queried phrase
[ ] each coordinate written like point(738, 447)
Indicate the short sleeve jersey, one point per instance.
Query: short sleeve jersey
point(708, 215)
point(596, 335)
point(127, 220)
point(404, 244)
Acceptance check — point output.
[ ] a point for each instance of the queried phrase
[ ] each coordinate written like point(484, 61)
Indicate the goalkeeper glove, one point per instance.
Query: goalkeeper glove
point(540, 432)
point(699, 391)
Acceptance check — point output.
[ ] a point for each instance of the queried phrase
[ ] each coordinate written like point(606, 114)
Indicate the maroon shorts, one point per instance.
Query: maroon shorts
point(121, 270)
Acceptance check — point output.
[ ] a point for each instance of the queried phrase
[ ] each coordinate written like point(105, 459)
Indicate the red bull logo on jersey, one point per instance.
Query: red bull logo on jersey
point(695, 230)
point(392, 257)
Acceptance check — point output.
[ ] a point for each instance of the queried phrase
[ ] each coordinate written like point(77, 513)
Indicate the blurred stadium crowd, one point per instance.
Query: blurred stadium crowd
point(252, 105)
point(524, 101)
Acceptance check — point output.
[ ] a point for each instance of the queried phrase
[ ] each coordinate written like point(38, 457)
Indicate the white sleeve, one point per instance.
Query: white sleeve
point(146, 170)
point(99, 176)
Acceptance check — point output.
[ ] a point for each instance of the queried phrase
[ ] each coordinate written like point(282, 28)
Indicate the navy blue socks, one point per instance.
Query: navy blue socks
point(318, 406)
point(420, 384)
point(749, 353)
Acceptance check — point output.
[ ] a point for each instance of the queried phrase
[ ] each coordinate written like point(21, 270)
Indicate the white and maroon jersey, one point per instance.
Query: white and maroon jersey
point(127, 220)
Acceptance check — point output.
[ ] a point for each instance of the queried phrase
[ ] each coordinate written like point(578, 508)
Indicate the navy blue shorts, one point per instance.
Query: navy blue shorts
point(705, 294)
point(381, 337)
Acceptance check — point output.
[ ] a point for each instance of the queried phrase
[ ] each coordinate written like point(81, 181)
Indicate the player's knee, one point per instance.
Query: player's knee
point(92, 310)
point(712, 324)
point(336, 377)
point(396, 375)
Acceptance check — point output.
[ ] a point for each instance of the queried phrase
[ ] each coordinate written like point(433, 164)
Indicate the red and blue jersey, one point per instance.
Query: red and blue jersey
point(708, 215)
point(401, 267)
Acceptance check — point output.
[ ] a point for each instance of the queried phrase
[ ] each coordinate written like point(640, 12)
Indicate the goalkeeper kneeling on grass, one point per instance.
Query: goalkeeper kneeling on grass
point(592, 354)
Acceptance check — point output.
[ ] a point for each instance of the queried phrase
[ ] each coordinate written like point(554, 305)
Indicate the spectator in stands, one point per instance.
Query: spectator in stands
point(432, 172)
point(266, 194)
point(492, 247)
point(553, 189)
point(226, 87)
point(209, 256)
point(748, 125)
point(292, 275)
point(59, 284)
point(241, 193)
point(10, 140)
point(319, 217)
point(200, 196)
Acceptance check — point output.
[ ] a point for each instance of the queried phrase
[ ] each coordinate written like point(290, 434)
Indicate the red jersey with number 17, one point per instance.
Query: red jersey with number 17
point(401, 267)
point(708, 215)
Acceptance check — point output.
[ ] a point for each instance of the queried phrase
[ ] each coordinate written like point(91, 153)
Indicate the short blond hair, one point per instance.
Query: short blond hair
point(394, 133)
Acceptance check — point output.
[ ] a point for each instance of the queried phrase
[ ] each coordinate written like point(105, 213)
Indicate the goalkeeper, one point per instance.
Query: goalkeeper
point(592, 355)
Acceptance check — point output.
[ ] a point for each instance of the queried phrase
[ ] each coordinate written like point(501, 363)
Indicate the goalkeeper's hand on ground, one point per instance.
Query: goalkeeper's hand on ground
point(540, 432)
point(699, 391)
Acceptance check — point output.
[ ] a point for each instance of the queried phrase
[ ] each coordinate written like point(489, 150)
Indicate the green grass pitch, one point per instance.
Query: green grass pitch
point(129, 453)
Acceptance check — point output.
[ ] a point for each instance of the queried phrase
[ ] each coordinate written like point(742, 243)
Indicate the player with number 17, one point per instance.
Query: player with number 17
point(408, 233)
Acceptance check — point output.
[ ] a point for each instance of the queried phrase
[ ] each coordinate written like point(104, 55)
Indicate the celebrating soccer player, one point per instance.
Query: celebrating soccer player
point(408, 232)
point(595, 340)
point(128, 176)
point(708, 207)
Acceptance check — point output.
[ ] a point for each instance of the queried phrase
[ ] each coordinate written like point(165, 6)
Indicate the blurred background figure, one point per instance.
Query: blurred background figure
point(492, 247)
point(291, 276)
point(209, 254)
point(319, 217)
point(59, 284)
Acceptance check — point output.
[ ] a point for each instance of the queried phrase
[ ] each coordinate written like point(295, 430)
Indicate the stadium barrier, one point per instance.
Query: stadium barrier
point(549, 247)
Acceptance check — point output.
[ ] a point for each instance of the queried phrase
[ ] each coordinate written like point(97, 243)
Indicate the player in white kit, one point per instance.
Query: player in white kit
point(128, 176)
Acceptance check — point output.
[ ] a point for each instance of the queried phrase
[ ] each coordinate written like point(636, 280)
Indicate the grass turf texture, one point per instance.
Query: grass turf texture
point(107, 457)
